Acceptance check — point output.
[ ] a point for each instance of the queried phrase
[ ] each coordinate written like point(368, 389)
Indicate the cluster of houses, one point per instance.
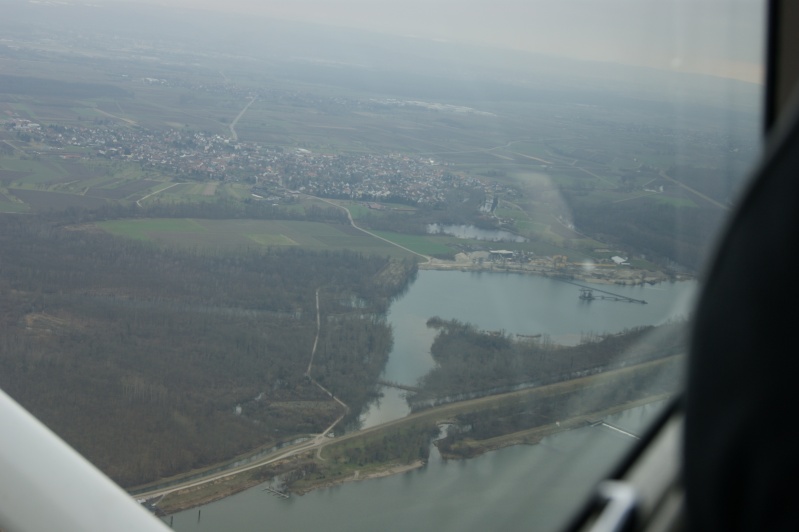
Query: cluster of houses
point(187, 154)
point(393, 177)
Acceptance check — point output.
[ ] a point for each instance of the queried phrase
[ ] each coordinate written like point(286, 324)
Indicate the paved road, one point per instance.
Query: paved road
point(352, 223)
point(157, 192)
point(232, 125)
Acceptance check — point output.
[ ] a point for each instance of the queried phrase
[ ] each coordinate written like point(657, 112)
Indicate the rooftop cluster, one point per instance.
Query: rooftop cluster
point(188, 154)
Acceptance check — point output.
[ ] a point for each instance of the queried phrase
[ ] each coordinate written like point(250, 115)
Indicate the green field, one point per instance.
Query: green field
point(358, 210)
point(152, 228)
point(233, 235)
point(60, 183)
point(426, 245)
point(671, 200)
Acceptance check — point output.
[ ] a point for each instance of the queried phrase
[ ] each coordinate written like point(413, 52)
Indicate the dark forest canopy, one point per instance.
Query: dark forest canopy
point(470, 361)
point(153, 361)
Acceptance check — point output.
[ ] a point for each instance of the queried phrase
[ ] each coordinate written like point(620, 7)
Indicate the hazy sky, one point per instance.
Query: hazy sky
point(720, 37)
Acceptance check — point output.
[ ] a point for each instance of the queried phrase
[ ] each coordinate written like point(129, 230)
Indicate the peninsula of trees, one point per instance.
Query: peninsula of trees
point(471, 362)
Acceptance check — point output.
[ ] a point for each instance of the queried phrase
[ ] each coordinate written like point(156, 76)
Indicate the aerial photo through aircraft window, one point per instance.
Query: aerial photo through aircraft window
point(363, 264)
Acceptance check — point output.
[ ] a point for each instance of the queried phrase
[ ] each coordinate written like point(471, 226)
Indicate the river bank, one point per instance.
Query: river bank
point(524, 304)
point(309, 471)
point(193, 497)
point(521, 487)
point(611, 274)
point(220, 489)
point(534, 435)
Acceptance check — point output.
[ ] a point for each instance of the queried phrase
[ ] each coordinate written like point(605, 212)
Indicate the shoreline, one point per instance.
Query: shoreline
point(188, 498)
point(387, 470)
point(533, 436)
point(193, 497)
point(618, 276)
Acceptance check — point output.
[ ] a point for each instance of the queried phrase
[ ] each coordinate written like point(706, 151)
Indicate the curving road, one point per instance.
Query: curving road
point(427, 258)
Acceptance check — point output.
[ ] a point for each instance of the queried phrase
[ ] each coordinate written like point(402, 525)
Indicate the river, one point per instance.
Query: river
point(524, 487)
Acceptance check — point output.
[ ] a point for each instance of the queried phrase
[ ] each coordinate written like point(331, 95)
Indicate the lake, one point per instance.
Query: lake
point(516, 303)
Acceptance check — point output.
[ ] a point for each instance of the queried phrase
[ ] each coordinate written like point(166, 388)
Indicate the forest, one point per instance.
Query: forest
point(471, 362)
point(154, 361)
point(467, 436)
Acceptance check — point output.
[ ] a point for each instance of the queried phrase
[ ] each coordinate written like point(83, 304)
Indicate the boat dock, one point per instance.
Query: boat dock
point(587, 294)
point(275, 492)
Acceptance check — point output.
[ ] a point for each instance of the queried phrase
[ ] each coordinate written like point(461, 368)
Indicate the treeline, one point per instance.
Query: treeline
point(154, 361)
point(470, 362)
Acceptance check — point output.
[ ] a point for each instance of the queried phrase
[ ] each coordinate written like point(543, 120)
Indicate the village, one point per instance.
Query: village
point(194, 155)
